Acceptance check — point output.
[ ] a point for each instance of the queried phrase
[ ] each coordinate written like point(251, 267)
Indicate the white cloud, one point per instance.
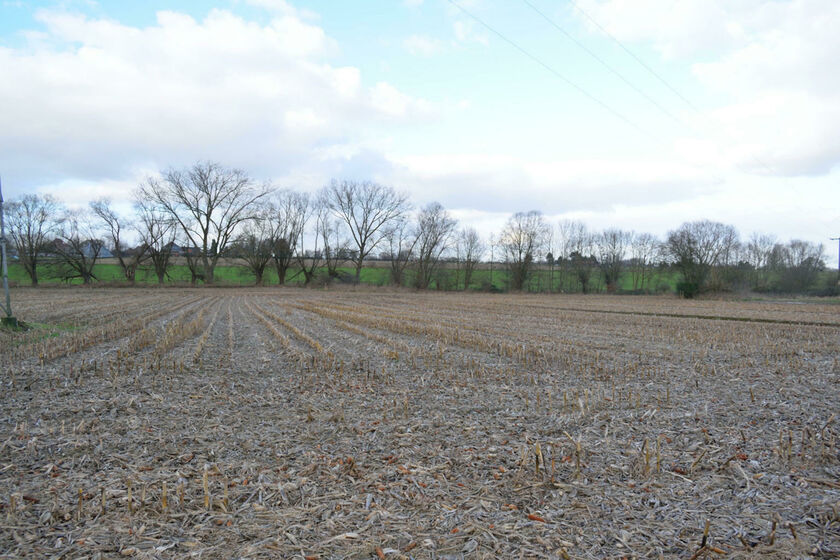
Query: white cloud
point(98, 104)
point(304, 118)
point(675, 28)
point(423, 45)
point(273, 5)
point(772, 64)
point(465, 32)
point(95, 98)
point(280, 7)
point(785, 106)
point(391, 101)
point(644, 195)
point(498, 183)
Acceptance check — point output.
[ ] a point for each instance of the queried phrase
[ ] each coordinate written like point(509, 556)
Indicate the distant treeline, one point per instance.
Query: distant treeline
point(209, 223)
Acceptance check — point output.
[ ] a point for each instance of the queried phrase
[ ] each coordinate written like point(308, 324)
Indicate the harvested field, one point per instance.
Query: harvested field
point(236, 423)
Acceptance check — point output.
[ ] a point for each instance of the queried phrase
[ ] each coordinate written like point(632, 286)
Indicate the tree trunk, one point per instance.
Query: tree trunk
point(359, 271)
point(259, 274)
point(396, 275)
point(281, 273)
point(160, 275)
point(208, 273)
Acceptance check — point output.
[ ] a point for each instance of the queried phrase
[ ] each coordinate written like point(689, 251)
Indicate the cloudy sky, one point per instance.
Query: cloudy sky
point(639, 115)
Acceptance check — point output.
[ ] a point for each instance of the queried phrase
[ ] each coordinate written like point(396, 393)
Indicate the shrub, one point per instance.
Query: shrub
point(688, 289)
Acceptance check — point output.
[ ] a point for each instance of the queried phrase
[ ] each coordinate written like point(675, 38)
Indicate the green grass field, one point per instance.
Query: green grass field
point(660, 279)
point(447, 278)
point(229, 275)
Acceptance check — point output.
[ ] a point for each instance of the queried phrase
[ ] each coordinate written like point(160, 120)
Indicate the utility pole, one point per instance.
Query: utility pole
point(8, 320)
point(837, 239)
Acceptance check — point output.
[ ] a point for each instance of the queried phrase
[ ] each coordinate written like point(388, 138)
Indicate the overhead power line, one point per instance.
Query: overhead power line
point(633, 55)
point(584, 91)
point(554, 71)
point(654, 73)
point(758, 160)
point(565, 79)
point(604, 63)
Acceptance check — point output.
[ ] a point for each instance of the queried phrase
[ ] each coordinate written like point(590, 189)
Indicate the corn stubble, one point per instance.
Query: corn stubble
point(279, 423)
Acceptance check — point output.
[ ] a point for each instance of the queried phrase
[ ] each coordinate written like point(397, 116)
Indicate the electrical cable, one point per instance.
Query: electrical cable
point(633, 55)
point(655, 74)
point(604, 63)
point(556, 73)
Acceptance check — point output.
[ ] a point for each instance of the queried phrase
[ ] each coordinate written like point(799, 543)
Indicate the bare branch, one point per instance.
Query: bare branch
point(434, 231)
point(77, 247)
point(470, 249)
point(521, 240)
point(157, 235)
point(209, 202)
point(366, 208)
point(129, 260)
point(32, 221)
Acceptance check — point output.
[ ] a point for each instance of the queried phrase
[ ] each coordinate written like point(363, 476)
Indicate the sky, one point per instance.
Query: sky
point(639, 115)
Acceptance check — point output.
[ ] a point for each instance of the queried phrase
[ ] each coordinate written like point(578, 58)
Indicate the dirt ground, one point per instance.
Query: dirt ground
point(290, 423)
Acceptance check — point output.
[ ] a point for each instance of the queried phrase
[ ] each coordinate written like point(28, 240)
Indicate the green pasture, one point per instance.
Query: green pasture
point(661, 279)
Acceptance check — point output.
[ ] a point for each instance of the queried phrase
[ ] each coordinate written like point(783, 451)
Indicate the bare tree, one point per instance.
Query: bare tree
point(612, 248)
point(758, 252)
point(288, 212)
point(335, 246)
point(255, 243)
point(565, 241)
point(802, 261)
point(157, 235)
point(470, 249)
point(77, 247)
point(114, 227)
point(550, 258)
point(522, 240)
point(192, 256)
point(697, 247)
point(434, 230)
point(208, 201)
point(366, 208)
point(643, 250)
point(582, 260)
point(494, 243)
point(310, 260)
point(32, 221)
point(401, 241)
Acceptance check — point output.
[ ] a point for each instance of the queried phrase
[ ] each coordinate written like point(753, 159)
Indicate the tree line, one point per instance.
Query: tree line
point(208, 211)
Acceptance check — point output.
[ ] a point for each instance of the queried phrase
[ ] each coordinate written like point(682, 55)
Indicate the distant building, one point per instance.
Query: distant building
point(89, 249)
point(178, 251)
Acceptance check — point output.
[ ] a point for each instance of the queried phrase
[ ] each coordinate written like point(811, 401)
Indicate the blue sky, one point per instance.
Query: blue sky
point(416, 94)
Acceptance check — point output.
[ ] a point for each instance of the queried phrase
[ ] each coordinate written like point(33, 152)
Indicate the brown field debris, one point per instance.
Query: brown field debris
point(283, 423)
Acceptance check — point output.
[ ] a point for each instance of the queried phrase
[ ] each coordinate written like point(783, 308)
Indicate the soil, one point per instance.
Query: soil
point(291, 423)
